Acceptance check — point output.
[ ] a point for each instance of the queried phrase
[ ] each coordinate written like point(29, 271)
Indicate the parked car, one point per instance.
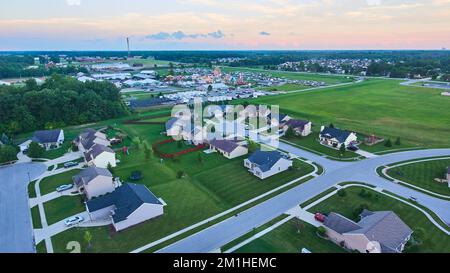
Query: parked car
point(73, 220)
point(25, 151)
point(319, 217)
point(412, 198)
point(352, 148)
point(64, 187)
point(70, 164)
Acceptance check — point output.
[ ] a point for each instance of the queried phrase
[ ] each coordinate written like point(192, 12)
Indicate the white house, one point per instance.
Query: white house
point(94, 182)
point(129, 205)
point(89, 137)
point(335, 137)
point(100, 156)
point(267, 163)
point(229, 148)
point(49, 139)
point(300, 127)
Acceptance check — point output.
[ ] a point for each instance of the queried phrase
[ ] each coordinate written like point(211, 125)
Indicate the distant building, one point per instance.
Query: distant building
point(335, 137)
point(129, 205)
point(229, 148)
point(49, 139)
point(267, 163)
point(300, 127)
point(376, 232)
point(215, 87)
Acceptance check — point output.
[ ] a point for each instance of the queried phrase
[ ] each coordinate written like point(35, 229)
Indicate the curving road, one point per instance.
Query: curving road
point(214, 237)
point(15, 218)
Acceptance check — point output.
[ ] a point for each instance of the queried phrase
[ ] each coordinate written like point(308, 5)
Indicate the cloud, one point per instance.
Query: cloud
point(73, 2)
point(373, 2)
point(263, 33)
point(180, 35)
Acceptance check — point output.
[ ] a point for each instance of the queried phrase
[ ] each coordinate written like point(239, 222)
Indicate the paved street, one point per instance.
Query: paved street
point(15, 218)
point(364, 171)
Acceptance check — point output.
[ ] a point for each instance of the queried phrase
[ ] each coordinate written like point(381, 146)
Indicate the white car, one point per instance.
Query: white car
point(64, 187)
point(73, 220)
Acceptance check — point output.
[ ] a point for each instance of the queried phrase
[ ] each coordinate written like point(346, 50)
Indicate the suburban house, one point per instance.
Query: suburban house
point(229, 148)
point(174, 127)
point(94, 181)
point(376, 232)
point(335, 137)
point(300, 127)
point(100, 156)
point(49, 139)
point(267, 163)
point(129, 205)
point(89, 138)
point(448, 176)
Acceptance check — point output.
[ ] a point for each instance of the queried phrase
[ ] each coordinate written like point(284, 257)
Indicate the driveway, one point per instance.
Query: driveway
point(362, 171)
point(15, 218)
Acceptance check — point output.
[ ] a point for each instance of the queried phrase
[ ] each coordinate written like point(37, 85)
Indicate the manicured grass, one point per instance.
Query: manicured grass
point(55, 153)
point(31, 189)
point(63, 207)
point(287, 239)
point(422, 174)
point(41, 248)
point(174, 147)
point(349, 206)
point(36, 217)
point(286, 87)
point(49, 184)
point(312, 142)
point(329, 79)
point(380, 107)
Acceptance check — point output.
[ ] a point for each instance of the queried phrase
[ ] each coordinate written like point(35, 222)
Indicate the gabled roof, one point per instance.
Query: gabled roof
point(125, 199)
point(46, 136)
point(88, 174)
point(340, 135)
point(265, 159)
point(96, 150)
point(170, 123)
point(224, 145)
point(297, 123)
point(384, 227)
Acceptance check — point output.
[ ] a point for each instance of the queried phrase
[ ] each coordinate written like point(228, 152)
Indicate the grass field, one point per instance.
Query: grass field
point(49, 184)
point(422, 174)
point(417, 115)
point(62, 207)
point(286, 87)
point(349, 206)
point(36, 217)
point(329, 79)
point(287, 239)
point(209, 186)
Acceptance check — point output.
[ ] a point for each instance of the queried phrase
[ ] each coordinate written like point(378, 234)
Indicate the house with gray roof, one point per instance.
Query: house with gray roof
point(100, 156)
point(94, 181)
point(49, 139)
point(230, 148)
point(376, 232)
point(89, 137)
point(264, 164)
point(129, 205)
point(335, 137)
point(299, 126)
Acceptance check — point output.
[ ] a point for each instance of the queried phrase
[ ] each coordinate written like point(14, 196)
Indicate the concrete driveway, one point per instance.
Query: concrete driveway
point(15, 218)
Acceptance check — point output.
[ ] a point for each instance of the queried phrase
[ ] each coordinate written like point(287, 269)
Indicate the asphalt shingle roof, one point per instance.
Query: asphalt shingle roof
point(126, 199)
point(297, 123)
point(224, 145)
point(340, 135)
point(265, 159)
point(88, 174)
point(46, 136)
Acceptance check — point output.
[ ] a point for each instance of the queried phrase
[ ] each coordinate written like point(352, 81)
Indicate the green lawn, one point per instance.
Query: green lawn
point(329, 79)
point(380, 107)
point(41, 248)
point(286, 87)
point(36, 217)
point(287, 239)
point(49, 184)
point(31, 190)
point(55, 153)
point(422, 174)
point(63, 207)
point(350, 205)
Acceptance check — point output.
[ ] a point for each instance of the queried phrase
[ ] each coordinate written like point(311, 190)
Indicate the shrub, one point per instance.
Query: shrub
point(180, 174)
point(35, 150)
point(342, 193)
point(388, 143)
point(398, 142)
point(322, 231)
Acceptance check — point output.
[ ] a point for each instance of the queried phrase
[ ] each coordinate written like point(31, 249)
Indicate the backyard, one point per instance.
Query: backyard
point(350, 205)
point(422, 174)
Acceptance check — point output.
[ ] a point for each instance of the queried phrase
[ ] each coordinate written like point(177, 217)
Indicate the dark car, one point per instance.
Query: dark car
point(70, 164)
point(352, 148)
point(25, 151)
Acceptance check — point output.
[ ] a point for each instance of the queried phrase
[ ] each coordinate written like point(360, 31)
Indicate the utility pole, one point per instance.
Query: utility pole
point(128, 47)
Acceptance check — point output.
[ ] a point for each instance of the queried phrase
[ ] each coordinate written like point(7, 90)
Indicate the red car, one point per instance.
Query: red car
point(319, 217)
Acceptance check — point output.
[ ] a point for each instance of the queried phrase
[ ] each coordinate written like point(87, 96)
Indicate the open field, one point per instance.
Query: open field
point(287, 239)
point(203, 191)
point(329, 79)
point(286, 87)
point(381, 107)
point(422, 174)
point(434, 239)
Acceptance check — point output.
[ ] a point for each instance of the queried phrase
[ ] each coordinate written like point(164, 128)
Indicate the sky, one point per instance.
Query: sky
point(224, 24)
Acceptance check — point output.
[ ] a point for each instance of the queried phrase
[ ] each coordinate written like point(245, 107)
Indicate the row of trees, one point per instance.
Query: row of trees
point(59, 102)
